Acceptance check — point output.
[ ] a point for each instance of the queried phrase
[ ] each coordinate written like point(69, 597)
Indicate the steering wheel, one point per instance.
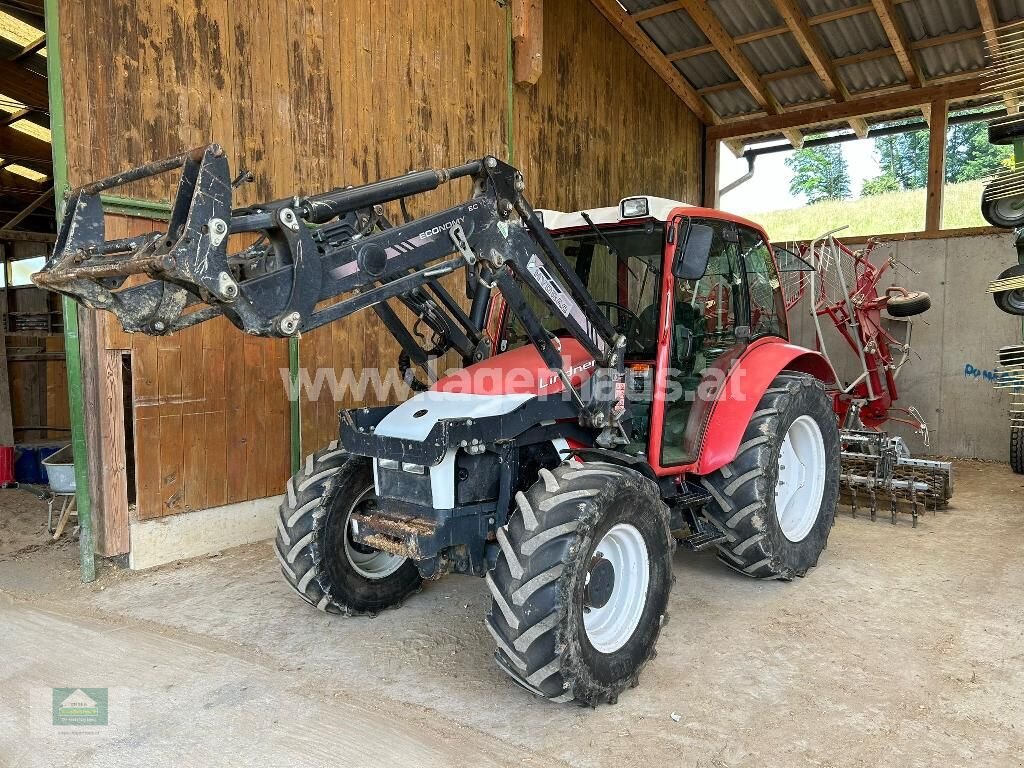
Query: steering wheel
point(630, 328)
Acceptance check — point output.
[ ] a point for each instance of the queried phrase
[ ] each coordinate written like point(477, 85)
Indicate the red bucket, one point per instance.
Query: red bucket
point(6, 464)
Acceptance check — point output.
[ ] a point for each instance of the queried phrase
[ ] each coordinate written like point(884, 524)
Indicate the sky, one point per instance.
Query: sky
point(768, 190)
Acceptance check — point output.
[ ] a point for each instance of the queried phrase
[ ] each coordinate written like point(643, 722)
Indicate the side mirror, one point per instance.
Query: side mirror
point(692, 254)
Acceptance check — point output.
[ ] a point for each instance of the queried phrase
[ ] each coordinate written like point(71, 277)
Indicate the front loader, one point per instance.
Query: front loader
point(627, 383)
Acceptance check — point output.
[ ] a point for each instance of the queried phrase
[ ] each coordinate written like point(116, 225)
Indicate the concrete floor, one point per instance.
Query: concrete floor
point(904, 647)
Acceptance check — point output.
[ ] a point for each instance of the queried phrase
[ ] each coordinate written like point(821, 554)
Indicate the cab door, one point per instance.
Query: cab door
point(705, 324)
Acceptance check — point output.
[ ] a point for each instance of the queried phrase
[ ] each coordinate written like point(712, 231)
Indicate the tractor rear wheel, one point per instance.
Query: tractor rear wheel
point(314, 544)
point(776, 501)
point(1017, 450)
point(581, 585)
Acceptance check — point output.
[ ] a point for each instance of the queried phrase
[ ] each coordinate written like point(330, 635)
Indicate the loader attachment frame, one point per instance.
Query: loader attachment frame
point(336, 244)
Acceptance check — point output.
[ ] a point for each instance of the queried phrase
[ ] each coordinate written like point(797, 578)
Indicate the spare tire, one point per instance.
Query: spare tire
point(1011, 302)
point(914, 303)
point(1000, 209)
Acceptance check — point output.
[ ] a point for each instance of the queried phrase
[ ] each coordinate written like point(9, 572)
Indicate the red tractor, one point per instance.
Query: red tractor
point(627, 383)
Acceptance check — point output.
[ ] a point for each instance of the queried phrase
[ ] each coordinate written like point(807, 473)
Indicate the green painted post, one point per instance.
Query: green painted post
point(296, 413)
point(72, 350)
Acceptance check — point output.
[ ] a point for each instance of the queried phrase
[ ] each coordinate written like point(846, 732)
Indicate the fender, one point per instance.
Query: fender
point(748, 380)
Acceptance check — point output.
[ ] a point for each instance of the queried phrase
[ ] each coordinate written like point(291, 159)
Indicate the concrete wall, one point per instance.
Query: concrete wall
point(955, 343)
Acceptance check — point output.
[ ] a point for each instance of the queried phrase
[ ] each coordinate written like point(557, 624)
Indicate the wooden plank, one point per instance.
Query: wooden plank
point(17, 236)
point(886, 11)
point(730, 52)
point(643, 45)
point(936, 166)
point(528, 40)
point(114, 476)
point(147, 464)
point(856, 107)
point(710, 197)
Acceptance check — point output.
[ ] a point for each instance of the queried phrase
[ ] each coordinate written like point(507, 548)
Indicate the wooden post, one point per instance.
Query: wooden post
point(936, 166)
point(709, 197)
point(528, 39)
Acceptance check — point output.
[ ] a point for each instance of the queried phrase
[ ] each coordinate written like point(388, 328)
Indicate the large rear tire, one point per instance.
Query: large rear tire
point(777, 499)
point(1017, 450)
point(581, 585)
point(315, 548)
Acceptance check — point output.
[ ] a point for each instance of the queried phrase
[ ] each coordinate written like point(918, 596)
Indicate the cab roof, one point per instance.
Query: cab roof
point(658, 208)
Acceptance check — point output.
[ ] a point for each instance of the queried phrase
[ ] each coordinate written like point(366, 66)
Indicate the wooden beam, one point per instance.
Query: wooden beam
point(658, 10)
point(855, 107)
point(528, 40)
point(936, 166)
point(727, 48)
point(812, 48)
point(17, 236)
point(25, 149)
point(643, 45)
point(43, 199)
point(886, 10)
point(820, 59)
point(794, 137)
point(859, 126)
point(709, 198)
point(23, 85)
point(28, 50)
point(16, 116)
point(990, 28)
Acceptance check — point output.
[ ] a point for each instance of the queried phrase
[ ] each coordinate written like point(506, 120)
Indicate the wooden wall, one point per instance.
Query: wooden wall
point(210, 415)
point(315, 94)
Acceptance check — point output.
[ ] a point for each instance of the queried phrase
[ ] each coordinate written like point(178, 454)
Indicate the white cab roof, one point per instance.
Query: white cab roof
point(659, 208)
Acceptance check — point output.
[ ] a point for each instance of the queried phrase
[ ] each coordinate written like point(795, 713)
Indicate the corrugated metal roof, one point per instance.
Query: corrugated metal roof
point(706, 70)
point(774, 54)
point(852, 35)
point(848, 36)
point(741, 17)
point(673, 32)
point(798, 89)
point(933, 18)
point(952, 58)
point(872, 75)
point(732, 103)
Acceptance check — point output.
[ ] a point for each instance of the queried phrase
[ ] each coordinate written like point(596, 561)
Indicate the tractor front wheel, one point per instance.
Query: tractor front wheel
point(581, 585)
point(776, 501)
point(314, 543)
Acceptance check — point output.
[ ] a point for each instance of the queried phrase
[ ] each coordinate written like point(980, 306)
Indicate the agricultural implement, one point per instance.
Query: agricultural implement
point(842, 290)
point(627, 383)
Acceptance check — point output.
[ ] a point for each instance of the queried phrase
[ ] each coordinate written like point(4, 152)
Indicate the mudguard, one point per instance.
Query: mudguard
point(742, 390)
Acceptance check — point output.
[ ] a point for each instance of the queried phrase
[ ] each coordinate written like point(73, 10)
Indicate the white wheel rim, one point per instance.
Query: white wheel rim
point(609, 627)
point(374, 564)
point(801, 481)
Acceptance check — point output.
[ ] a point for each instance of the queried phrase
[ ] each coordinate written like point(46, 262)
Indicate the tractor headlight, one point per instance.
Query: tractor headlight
point(634, 207)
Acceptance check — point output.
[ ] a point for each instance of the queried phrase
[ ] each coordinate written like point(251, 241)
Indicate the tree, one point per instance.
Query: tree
point(819, 173)
point(879, 185)
point(969, 156)
point(904, 157)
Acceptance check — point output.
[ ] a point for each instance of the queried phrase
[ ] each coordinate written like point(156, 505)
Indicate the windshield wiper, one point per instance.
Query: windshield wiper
point(604, 241)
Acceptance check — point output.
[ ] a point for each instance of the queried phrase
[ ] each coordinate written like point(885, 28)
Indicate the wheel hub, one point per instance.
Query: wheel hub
point(600, 582)
point(615, 588)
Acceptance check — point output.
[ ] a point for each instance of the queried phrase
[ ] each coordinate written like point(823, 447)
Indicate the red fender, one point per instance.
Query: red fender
point(742, 389)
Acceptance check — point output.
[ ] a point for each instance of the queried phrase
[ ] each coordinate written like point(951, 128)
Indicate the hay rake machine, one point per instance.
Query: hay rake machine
point(842, 289)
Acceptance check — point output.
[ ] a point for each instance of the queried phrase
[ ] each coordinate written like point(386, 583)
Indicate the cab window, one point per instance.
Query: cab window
point(767, 313)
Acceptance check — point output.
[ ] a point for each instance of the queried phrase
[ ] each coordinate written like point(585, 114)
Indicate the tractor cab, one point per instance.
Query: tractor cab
point(689, 288)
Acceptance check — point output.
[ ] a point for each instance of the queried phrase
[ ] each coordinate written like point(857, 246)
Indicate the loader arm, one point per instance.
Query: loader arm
point(337, 244)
